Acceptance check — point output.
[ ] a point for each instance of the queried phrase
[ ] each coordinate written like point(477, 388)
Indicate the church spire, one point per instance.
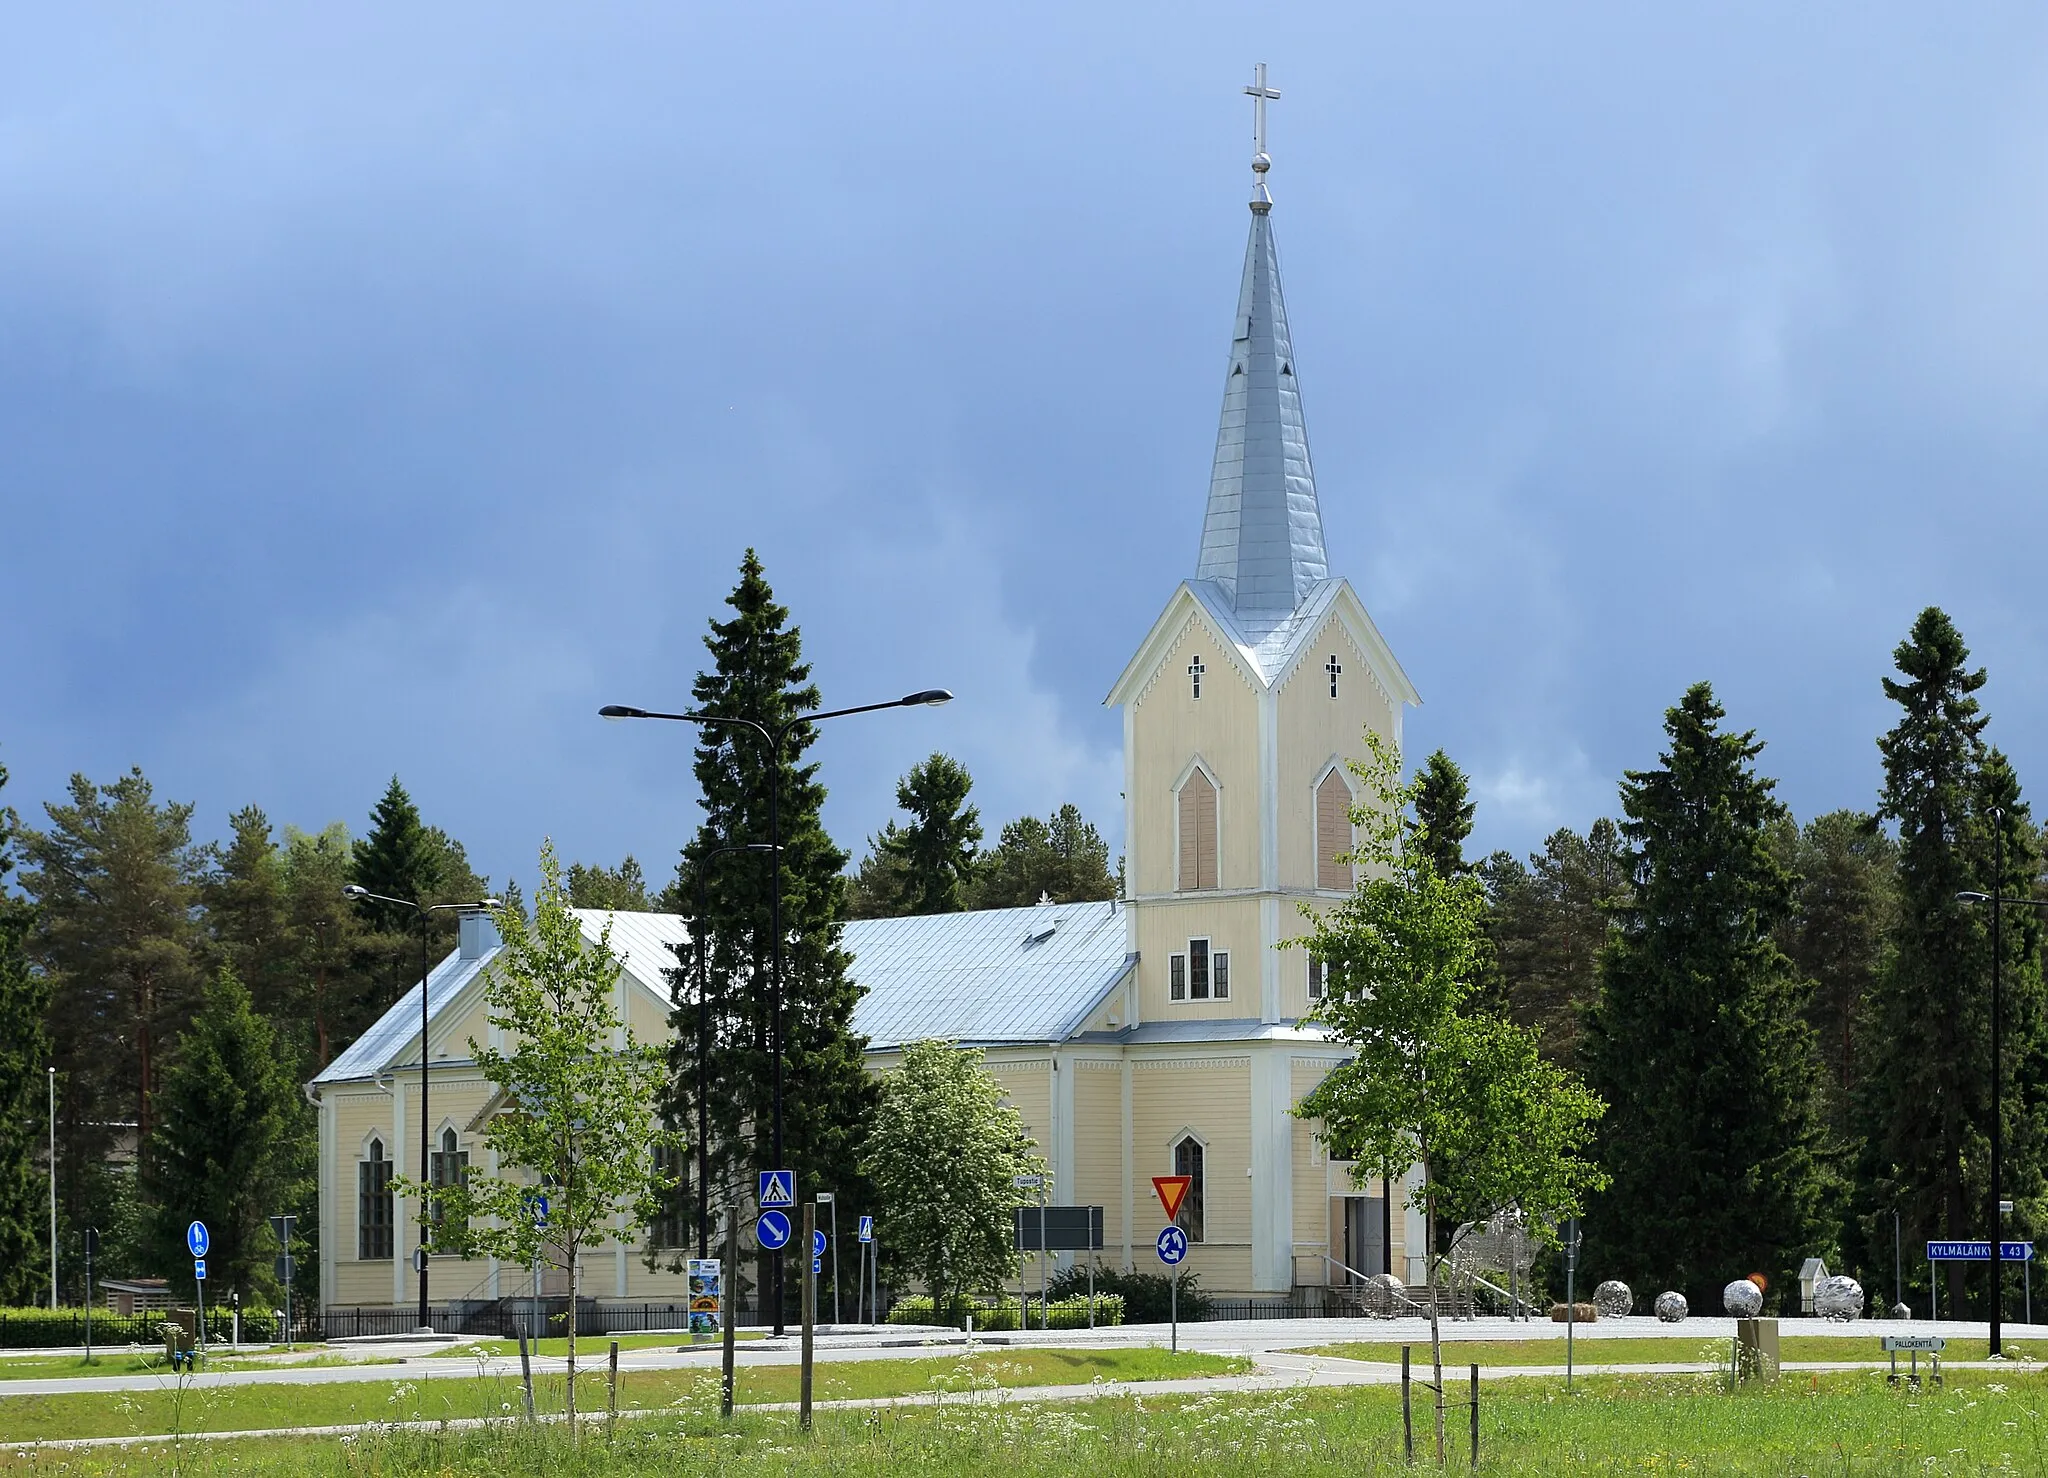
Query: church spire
point(1262, 539)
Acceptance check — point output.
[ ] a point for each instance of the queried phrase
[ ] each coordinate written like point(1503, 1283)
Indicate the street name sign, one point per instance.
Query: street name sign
point(1974, 1251)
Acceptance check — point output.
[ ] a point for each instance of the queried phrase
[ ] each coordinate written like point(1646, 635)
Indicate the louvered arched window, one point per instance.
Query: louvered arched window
point(1197, 832)
point(1333, 833)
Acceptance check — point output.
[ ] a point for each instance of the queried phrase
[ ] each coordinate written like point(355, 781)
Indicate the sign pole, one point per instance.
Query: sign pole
point(732, 1312)
point(91, 1239)
point(1173, 1303)
point(1044, 1260)
point(1571, 1268)
point(810, 1287)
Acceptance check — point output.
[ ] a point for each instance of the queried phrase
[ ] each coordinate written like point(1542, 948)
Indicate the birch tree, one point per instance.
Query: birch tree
point(574, 1110)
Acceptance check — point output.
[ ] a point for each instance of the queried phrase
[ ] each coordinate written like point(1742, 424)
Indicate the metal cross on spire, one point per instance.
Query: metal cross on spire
point(1260, 94)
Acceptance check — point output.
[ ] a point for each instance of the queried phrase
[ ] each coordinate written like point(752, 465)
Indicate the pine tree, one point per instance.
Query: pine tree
point(243, 893)
point(335, 995)
point(1062, 857)
point(1443, 814)
point(232, 1143)
point(936, 849)
point(1699, 1041)
point(115, 881)
point(596, 886)
point(23, 1053)
point(1549, 922)
point(757, 672)
point(1925, 1045)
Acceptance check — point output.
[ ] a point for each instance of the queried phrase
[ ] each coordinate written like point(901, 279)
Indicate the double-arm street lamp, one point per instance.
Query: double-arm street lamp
point(424, 911)
point(773, 738)
point(1997, 902)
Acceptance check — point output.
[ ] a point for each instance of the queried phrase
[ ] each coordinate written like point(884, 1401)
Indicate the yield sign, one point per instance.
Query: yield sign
point(1172, 1189)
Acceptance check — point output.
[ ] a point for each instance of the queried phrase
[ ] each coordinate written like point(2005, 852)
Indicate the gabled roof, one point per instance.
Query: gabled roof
point(995, 976)
point(396, 1033)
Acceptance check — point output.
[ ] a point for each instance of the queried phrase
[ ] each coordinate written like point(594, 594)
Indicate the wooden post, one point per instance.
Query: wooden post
point(525, 1371)
point(1407, 1410)
point(810, 1287)
point(611, 1389)
point(1475, 1418)
point(730, 1279)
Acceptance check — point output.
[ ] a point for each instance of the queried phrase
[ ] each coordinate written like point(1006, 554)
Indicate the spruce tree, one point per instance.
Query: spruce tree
point(1549, 922)
point(757, 672)
point(1443, 813)
point(399, 859)
point(1062, 857)
point(335, 995)
point(115, 882)
point(1699, 1041)
point(243, 893)
point(597, 886)
point(232, 1143)
point(1925, 1089)
point(24, 1053)
point(935, 851)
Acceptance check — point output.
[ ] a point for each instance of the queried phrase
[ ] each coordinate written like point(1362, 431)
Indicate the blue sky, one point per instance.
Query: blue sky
point(383, 388)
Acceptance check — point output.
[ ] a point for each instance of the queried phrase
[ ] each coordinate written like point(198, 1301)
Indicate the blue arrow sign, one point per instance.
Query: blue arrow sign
point(867, 1229)
point(778, 1189)
point(199, 1268)
point(1974, 1251)
point(1173, 1245)
point(772, 1230)
point(196, 1240)
point(817, 1244)
point(538, 1205)
point(817, 1264)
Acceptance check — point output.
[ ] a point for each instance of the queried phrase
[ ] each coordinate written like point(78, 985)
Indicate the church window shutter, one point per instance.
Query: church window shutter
point(1197, 833)
point(1198, 969)
point(1333, 833)
point(1177, 977)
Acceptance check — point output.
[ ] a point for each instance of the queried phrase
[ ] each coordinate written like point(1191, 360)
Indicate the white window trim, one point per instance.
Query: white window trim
point(1179, 957)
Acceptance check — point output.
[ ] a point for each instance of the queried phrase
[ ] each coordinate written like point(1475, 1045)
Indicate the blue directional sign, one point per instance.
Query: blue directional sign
point(199, 1268)
point(1173, 1245)
point(817, 1244)
point(196, 1240)
point(867, 1229)
point(778, 1189)
point(772, 1230)
point(1973, 1251)
point(536, 1207)
point(817, 1264)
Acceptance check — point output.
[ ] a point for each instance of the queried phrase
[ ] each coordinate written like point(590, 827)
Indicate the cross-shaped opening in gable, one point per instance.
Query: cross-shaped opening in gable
point(1333, 667)
point(1195, 671)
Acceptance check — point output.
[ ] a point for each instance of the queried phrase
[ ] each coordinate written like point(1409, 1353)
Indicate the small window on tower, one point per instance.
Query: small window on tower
point(1198, 969)
point(1334, 668)
point(1177, 977)
point(1318, 978)
point(1195, 671)
point(1219, 967)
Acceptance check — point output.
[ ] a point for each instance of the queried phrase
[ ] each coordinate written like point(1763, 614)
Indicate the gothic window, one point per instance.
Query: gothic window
point(1195, 671)
point(1187, 1160)
point(448, 1166)
point(1197, 832)
point(1318, 978)
point(373, 1205)
point(1333, 833)
point(671, 1227)
point(1334, 668)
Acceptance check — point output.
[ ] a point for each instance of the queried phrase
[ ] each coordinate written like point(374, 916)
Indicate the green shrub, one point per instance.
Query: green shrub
point(999, 1317)
point(1147, 1297)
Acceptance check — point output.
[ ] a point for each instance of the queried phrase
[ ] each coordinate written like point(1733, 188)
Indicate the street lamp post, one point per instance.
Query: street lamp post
point(701, 929)
point(423, 911)
point(1997, 900)
point(773, 738)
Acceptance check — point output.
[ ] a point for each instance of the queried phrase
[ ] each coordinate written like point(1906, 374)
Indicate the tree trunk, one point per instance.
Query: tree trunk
point(1436, 1335)
point(570, 1397)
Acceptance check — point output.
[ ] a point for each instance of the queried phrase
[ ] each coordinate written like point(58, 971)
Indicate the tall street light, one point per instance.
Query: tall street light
point(424, 912)
point(773, 738)
point(701, 929)
point(1997, 901)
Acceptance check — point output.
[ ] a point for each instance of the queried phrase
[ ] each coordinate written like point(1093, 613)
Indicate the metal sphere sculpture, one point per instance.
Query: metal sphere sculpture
point(1613, 1299)
point(1838, 1298)
point(1743, 1299)
point(1671, 1307)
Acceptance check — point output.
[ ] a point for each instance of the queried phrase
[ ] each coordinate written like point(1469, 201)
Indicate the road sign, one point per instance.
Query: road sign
point(1172, 1190)
point(419, 1259)
point(1060, 1228)
point(817, 1244)
point(867, 1229)
point(817, 1265)
point(285, 1268)
point(199, 1268)
point(1028, 1182)
point(1972, 1251)
point(1903, 1343)
point(196, 1240)
point(537, 1208)
point(282, 1227)
point(778, 1189)
point(1173, 1245)
point(772, 1230)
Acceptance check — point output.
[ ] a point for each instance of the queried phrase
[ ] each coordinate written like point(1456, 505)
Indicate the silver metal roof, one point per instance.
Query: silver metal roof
point(1002, 975)
point(1262, 538)
point(644, 942)
point(398, 1028)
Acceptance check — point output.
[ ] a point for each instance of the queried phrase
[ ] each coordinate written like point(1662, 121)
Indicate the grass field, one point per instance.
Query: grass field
point(144, 1362)
point(241, 1408)
point(1667, 1351)
point(589, 1346)
point(1848, 1424)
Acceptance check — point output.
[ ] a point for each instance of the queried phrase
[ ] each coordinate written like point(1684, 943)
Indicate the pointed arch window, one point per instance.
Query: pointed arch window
point(1197, 805)
point(449, 1167)
point(374, 1223)
point(1333, 833)
point(1187, 1160)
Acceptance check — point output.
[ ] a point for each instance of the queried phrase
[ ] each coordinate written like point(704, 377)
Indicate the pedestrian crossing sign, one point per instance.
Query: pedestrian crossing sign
point(778, 1189)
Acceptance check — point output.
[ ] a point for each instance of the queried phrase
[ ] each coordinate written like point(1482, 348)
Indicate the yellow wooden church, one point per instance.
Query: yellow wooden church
point(1158, 1034)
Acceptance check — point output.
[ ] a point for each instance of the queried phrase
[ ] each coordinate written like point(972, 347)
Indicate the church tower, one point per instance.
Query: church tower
point(1251, 690)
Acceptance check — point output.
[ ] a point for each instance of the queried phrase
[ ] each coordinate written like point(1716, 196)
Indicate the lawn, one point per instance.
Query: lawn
point(148, 1362)
point(1848, 1423)
point(588, 1346)
point(1672, 1350)
point(245, 1407)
